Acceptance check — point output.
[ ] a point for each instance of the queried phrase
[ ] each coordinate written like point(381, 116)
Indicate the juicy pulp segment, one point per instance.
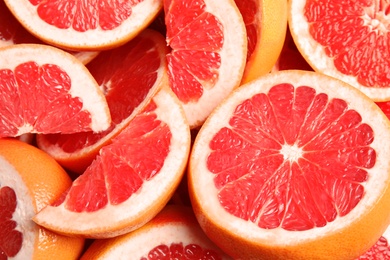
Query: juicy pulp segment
point(303, 154)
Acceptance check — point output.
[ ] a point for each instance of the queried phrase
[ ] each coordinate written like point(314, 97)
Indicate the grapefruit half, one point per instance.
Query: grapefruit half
point(293, 165)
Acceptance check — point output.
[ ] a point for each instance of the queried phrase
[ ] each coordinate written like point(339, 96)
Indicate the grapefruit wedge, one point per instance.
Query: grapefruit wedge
point(85, 25)
point(30, 180)
point(132, 178)
point(265, 23)
point(130, 76)
point(173, 234)
point(208, 57)
point(46, 90)
point(346, 40)
point(293, 165)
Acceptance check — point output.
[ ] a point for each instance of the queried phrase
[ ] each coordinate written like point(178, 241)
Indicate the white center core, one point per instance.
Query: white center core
point(291, 152)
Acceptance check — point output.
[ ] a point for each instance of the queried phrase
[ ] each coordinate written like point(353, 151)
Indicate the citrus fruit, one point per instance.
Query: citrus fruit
point(346, 40)
point(173, 234)
point(265, 23)
point(12, 32)
point(293, 165)
point(208, 57)
point(29, 180)
point(46, 90)
point(85, 25)
point(129, 76)
point(290, 58)
point(379, 251)
point(131, 179)
point(385, 107)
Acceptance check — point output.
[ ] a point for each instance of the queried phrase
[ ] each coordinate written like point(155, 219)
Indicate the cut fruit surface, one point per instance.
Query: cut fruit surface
point(209, 47)
point(265, 23)
point(293, 165)
point(85, 25)
point(30, 180)
point(130, 76)
point(346, 40)
point(48, 93)
point(12, 32)
point(173, 234)
point(132, 178)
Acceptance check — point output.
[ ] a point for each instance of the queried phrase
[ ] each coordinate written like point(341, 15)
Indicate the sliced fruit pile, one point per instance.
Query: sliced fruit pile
point(180, 129)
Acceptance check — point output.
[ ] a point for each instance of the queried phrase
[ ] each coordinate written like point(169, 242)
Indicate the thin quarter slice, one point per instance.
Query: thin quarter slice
point(131, 179)
point(46, 90)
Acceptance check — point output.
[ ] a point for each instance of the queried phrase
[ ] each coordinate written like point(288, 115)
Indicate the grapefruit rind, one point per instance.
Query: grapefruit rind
point(142, 15)
point(345, 236)
point(83, 85)
point(37, 180)
point(271, 36)
point(315, 55)
point(114, 220)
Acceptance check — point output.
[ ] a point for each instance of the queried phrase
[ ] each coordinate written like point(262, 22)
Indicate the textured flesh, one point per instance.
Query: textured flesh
point(135, 156)
point(196, 37)
point(180, 251)
point(251, 16)
point(380, 251)
point(291, 158)
point(84, 15)
point(36, 99)
point(356, 35)
point(10, 238)
point(126, 75)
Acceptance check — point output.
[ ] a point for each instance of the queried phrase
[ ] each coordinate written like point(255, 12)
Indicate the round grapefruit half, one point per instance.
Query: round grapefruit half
point(208, 56)
point(130, 76)
point(346, 40)
point(173, 234)
point(85, 25)
point(293, 165)
point(131, 179)
point(30, 180)
point(46, 90)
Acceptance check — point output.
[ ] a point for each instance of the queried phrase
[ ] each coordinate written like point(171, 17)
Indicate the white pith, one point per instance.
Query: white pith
point(315, 55)
point(140, 244)
point(233, 58)
point(110, 217)
point(203, 181)
point(141, 14)
point(24, 208)
point(83, 86)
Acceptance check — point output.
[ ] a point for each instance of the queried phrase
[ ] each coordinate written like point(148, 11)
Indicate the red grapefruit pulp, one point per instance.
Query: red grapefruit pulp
point(131, 179)
point(298, 155)
point(129, 76)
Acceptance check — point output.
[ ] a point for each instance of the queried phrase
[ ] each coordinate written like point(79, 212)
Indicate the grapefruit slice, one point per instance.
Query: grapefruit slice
point(173, 234)
point(129, 75)
point(265, 23)
point(30, 180)
point(132, 178)
point(293, 165)
point(208, 57)
point(85, 25)
point(348, 41)
point(46, 90)
point(12, 32)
